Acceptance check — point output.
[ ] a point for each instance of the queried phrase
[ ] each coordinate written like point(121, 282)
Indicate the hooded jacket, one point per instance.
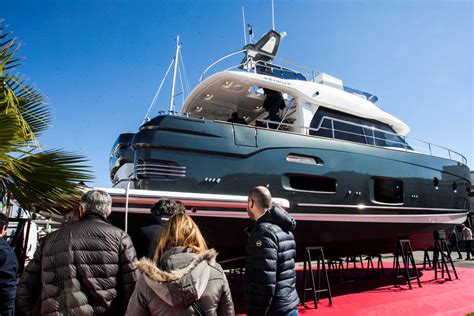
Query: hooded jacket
point(180, 279)
point(87, 268)
point(270, 287)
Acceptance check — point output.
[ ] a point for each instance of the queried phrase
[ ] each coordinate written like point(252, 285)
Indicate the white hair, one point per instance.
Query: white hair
point(98, 202)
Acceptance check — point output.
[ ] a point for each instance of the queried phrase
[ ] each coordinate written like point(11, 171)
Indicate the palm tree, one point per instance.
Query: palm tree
point(37, 179)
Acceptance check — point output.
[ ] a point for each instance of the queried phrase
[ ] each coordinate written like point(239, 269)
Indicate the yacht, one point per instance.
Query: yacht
point(342, 167)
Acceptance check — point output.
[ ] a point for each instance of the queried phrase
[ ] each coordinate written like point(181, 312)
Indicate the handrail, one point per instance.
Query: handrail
point(277, 67)
point(405, 145)
point(309, 73)
point(218, 61)
point(313, 71)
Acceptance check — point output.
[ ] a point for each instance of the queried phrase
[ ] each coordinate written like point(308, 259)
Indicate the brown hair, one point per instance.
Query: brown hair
point(182, 231)
point(167, 208)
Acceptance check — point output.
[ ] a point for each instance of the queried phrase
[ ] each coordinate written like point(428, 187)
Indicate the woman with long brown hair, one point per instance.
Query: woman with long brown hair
point(183, 278)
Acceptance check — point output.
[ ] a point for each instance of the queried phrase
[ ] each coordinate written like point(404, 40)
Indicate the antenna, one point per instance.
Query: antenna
point(176, 58)
point(273, 16)
point(243, 23)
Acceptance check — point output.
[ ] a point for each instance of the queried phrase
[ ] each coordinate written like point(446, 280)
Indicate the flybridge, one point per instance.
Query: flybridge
point(259, 59)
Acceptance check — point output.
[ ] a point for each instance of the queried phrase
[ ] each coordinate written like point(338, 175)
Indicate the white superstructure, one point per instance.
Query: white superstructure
point(240, 91)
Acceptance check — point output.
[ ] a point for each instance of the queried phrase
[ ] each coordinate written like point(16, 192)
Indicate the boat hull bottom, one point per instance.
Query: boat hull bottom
point(339, 239)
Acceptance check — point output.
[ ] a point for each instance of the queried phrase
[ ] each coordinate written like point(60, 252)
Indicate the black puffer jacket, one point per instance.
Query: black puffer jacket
point(8, 269)
point(83, 269)
point(145, 239)
point(270, 288)
point(181, 279)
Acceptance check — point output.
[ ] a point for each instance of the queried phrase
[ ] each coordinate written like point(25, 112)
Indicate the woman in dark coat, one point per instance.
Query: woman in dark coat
point(183, 278)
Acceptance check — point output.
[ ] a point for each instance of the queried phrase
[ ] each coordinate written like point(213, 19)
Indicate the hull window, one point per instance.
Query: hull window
point(309, 183)
point(388, 190)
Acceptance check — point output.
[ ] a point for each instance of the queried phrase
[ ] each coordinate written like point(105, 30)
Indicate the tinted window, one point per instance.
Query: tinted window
point(312, 183)
point(388, 190)
point(348, 132)
point(353, 133)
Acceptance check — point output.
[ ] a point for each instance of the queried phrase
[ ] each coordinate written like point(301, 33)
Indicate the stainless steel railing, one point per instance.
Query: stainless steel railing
point(293, 71)
point(373, 136)
point(395, 142)
point(251, 65)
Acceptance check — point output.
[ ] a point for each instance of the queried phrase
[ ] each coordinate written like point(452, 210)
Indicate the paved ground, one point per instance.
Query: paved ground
point(418, 255)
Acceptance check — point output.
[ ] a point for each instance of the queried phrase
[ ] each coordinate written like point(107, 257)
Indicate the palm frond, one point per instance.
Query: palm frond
point(48, 180)
point(31, 105)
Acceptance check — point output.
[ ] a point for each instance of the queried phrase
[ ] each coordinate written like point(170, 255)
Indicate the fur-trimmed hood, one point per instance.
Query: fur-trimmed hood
point(180, 277)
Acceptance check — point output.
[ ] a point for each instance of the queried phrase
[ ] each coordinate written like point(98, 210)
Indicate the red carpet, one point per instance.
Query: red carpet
point(376, 295)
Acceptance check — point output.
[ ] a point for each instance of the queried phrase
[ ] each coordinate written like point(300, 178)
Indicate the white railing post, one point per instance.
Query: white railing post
point(126, 204)
point(332, 129)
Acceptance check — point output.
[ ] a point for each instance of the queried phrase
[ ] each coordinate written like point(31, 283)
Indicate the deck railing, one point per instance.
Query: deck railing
point(373, 137)
point(255, 66)
point(288, 70)
point(396, 142)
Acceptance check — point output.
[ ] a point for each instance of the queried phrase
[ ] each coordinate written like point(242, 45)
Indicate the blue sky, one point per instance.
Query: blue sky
point(100, 62)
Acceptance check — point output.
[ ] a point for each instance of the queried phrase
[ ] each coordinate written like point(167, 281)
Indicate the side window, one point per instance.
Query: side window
point(309, 183)
point(348, 132)
point(384, 136)
point(388, 190)
point(323, 130)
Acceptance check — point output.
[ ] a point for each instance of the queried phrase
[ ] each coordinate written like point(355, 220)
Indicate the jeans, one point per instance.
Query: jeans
point(293, 312)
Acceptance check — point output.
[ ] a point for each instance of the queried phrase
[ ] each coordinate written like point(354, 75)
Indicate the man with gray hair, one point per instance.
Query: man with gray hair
point(87, 268)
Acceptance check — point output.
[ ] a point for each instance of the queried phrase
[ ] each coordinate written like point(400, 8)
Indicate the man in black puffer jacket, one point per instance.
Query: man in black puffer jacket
point(270, 287)
point(87, 268)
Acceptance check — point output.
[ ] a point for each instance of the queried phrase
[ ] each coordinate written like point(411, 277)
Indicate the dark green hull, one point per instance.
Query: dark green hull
point(181, 154)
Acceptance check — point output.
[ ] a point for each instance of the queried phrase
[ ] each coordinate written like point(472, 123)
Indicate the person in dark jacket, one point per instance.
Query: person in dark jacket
point(270, 287)
point(146, 238)
point(8, 270)
point(183, 278)
point(86, 268)
point(273, 103)
point(453, 243)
